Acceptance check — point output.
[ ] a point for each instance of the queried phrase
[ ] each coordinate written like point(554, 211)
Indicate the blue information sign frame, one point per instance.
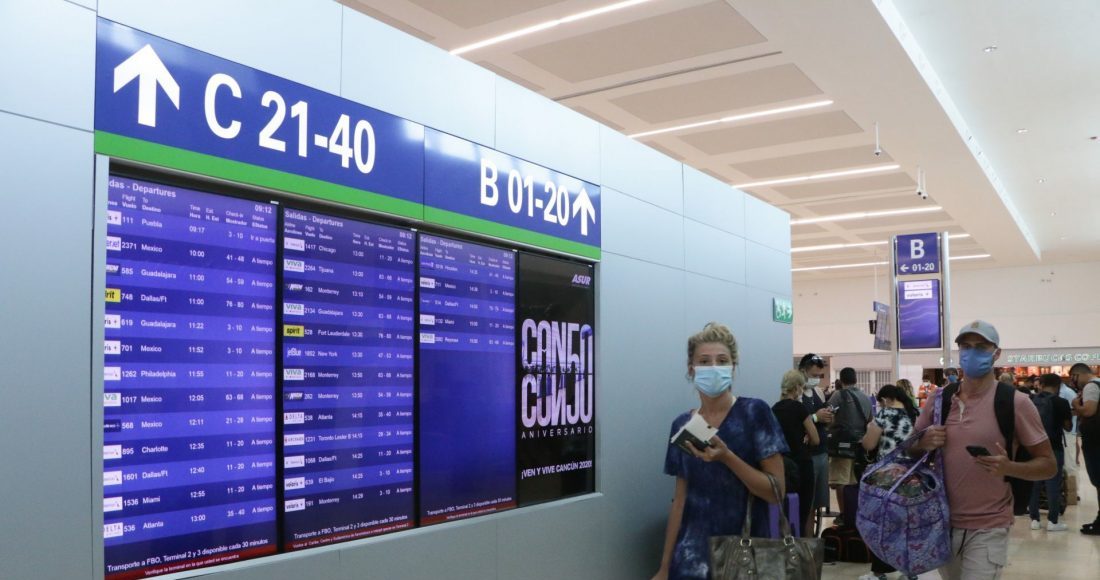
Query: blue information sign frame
point(917, 254)
point(919, 314)
point(161, 103)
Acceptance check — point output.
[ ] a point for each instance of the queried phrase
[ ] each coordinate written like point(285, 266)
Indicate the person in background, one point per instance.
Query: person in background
point(1088, 428)
point(1056, 415)
point(813, 368)
point(907, 388)
point(802, 439)
point(1067, 393)
point(980, 501)
point(893, 424)
point(713, 486)
point(850, 416)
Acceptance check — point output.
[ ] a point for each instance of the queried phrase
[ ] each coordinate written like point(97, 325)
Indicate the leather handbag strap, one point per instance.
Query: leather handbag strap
point(784, 523)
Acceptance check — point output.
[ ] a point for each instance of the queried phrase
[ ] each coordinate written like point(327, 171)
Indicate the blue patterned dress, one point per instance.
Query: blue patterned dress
point(715, 503)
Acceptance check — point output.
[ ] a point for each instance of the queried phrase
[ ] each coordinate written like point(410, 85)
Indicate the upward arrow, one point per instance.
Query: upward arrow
point(147, 67)
point(583, 206)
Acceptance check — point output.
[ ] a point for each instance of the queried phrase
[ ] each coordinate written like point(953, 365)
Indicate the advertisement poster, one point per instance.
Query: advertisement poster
point(555, 379)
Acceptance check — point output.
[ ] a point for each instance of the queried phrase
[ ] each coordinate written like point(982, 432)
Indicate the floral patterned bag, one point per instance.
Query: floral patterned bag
point(903, 515)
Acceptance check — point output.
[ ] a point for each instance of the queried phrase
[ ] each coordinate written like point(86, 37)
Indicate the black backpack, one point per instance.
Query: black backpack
point(1045, 403)
point(845, 435)
point(1089, 427)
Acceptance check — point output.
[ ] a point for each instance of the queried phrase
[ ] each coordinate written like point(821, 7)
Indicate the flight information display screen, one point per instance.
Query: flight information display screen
point(189, 380)
point(348, 308)
point(467, 433)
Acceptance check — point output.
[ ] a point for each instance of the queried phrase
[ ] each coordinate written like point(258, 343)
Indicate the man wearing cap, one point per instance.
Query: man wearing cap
point(979, 498)
point(813, 368)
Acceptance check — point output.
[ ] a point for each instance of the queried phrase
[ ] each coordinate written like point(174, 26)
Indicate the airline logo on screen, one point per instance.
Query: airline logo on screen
point(557, 387)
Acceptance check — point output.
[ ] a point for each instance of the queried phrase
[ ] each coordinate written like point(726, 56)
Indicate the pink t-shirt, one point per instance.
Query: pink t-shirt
point(978, 500)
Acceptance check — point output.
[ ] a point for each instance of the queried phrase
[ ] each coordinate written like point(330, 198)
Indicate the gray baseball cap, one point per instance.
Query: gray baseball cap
point(982, 329)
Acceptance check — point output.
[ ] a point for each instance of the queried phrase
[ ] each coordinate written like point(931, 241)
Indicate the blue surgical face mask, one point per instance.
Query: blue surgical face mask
point(976, 363)
point(712, 381)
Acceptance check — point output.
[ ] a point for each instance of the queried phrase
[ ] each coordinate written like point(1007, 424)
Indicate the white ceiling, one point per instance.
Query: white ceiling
point(917, 67)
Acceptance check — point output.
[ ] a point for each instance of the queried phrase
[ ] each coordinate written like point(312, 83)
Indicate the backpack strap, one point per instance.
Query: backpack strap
point(1004, 407)
point(949, 393)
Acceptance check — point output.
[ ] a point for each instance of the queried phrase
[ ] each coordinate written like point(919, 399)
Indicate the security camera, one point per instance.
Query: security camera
point(878, 151)
point(922, 194)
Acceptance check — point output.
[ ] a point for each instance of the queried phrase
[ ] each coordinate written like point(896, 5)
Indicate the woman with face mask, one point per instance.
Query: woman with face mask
point(713, 485)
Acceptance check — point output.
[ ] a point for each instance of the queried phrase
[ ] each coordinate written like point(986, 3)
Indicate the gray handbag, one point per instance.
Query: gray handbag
point(741, 557)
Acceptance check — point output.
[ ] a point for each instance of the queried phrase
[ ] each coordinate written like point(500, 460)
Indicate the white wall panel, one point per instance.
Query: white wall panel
point(295, 39)
point(533, 127)
point(713, 252)
point(45, 421)
point(767, 225)
point(640, 171)
point(712, 202)
point(48, 65)
point(634, 228)
point(402, 75)
point(767, 268)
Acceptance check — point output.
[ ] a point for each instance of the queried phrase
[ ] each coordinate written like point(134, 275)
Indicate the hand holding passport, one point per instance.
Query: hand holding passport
point(696, 433)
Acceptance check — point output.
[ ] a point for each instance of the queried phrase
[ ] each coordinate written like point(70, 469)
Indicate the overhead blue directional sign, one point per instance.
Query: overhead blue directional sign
point(465, 181)
point(917, 254)
point(153, 91)
point(165, 104)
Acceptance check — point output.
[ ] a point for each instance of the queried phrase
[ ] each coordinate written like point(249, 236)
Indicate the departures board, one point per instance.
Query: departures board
point(278, 378)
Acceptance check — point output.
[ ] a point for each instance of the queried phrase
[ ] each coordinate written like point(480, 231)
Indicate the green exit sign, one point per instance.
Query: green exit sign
point(782, 310)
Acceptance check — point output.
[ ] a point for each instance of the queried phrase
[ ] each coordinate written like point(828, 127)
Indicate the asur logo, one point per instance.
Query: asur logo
point(582, 280)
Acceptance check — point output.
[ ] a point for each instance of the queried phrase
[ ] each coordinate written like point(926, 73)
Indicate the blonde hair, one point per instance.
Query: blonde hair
point(793, 382)
point(713, 333)
point(1007, 378)
point(906, 386)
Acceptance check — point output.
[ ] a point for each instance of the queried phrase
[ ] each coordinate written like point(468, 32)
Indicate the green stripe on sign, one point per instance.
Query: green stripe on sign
point(183, 160)
point(472, 224)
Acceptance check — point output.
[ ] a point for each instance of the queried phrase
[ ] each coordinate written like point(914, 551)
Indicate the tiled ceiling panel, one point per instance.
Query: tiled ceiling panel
point(882, 182)
point(798, 229)
point(718, 95)
point(472, 13)
point(687, 33)
point(744, 137)
point(899, 222)
point(821, 241)
point(814, 162)
point(866, 204)
point(387, 19)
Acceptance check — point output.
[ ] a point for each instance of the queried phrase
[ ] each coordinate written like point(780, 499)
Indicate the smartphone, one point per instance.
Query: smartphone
point(978, 451)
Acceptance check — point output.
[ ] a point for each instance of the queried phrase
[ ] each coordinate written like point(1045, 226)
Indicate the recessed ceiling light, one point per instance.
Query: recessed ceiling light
point(1053, 214)
point(1021, 130)
point(859, 215)
point(734, 118)
point(1041, 180)
point(990, 48)
point(815, 176)
point(547, 24)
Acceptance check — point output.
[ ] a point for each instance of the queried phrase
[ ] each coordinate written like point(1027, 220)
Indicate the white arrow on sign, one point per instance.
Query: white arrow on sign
point(583, 205)
point(904, 267)
point(147, 67)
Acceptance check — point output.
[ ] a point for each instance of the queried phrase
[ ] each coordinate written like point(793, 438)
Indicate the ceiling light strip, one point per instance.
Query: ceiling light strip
point(735, 118)
point(859, 215)
point(816, 176)
point(823, 247)
point(866, 264)
point(547, 25)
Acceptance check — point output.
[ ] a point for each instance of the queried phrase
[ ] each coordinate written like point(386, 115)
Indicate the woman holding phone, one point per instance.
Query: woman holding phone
point(713, 485)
